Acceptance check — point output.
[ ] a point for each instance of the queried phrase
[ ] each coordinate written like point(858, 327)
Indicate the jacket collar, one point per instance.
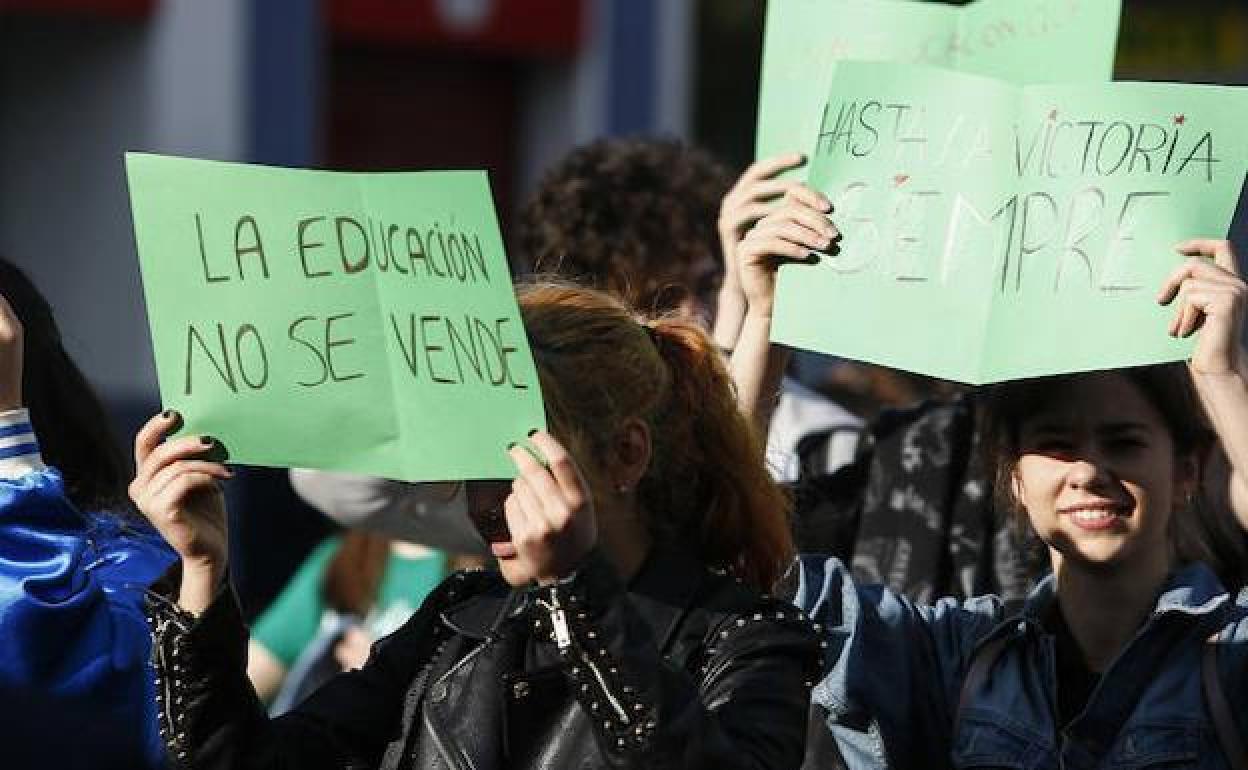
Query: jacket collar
point(1191, 590)
point(663, 590)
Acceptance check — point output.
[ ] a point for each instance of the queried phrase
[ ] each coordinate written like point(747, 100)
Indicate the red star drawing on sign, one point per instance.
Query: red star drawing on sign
point(900, 179)
point(1180, 120)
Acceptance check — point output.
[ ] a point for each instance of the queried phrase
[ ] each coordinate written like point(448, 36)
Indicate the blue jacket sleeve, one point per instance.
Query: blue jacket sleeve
point(75, 641)
point(894, 668)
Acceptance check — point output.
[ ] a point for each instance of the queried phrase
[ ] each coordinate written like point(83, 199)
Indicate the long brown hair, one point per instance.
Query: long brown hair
point(634, 216)
point(707, 491)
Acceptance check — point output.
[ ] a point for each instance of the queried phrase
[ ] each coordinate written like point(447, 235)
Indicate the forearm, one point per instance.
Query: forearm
point(265, 670)
point(1225, 399)
point(209, 714)
point(211, 717)
point(199, 586)
point(730, 309)
point(758, 369)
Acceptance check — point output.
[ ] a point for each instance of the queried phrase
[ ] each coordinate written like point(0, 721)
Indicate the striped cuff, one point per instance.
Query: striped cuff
point(19, 450)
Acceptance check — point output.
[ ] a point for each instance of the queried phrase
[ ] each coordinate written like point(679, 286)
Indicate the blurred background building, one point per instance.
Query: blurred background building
point(506, 85)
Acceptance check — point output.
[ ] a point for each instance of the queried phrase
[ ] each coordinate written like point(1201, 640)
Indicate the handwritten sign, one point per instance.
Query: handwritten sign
point(993, 232)
point(355, 322)
point(1023, 41)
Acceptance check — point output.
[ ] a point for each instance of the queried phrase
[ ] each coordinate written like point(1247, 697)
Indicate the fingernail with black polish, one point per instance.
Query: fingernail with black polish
point(207, 440)
point(511, 446)
point(532, 433)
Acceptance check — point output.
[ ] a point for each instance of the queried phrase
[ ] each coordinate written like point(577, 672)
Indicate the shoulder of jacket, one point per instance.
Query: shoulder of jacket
point(731, 603)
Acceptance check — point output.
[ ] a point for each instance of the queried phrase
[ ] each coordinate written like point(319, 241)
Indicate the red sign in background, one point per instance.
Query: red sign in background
point(519, 27)
point(109, 7)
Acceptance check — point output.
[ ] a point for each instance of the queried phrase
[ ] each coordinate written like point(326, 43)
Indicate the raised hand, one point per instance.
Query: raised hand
point(550, 513)
point(1211, 298)
point(180, 494)
point(789, 233)
point(755, 195)
point(11, 348)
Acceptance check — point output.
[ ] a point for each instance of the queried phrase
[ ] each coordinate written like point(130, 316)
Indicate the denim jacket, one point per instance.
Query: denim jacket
point(896, 671)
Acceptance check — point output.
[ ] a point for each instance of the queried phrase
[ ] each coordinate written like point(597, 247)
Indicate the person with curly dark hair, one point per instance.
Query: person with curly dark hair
point(635, 217)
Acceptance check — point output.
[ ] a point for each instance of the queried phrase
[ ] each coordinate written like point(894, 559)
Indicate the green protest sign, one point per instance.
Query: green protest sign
point(1023, 41)
point(993, 232)
point(355, 322)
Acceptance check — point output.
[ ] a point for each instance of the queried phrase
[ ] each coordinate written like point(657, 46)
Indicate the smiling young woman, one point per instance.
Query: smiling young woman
point(1128, 654)
point(1132, 653)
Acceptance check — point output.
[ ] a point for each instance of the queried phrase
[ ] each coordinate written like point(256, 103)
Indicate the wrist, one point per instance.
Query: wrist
point(201, 580)
point(759, 312)
point(1216, 378)
point(730, 291)
point(565, 574)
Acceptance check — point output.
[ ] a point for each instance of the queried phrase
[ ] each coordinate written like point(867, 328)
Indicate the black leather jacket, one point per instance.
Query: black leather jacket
point(683, 668)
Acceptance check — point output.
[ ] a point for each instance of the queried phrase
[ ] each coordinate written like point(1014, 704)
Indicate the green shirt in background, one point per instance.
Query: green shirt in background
point(293, 620)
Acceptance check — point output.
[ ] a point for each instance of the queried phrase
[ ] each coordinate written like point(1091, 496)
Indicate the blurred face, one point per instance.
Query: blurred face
point(690, 294)
point(485, 502)
point(1097, 474)
point(705, 277)
point(485, 508)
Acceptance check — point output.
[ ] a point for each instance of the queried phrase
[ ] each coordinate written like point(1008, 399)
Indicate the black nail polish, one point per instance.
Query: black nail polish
point(207, 440)
point(532, 433)
point(167, 414)
point(511, 446)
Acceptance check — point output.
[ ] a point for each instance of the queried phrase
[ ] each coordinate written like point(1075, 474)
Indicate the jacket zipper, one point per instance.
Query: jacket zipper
point(606, 691)
point(439, 744)
point(563, 639)
point(166, 713)
point(459, 761)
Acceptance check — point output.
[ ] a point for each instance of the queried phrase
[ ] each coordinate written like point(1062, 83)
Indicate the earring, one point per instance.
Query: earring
point(622, 489)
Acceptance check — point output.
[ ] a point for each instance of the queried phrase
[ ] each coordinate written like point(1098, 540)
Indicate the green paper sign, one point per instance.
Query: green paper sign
point(353, 322)
point(993, 232)
point(1023, 41)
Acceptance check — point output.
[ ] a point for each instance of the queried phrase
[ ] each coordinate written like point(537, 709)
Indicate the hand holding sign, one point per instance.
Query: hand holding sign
point(753, 196)
point(1211, 298)
point(12, 344)
point(179, 493)
point(790, 233)
point(550, 514)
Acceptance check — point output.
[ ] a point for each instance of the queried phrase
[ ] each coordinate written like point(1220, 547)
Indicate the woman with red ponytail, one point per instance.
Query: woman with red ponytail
point(628, 625)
